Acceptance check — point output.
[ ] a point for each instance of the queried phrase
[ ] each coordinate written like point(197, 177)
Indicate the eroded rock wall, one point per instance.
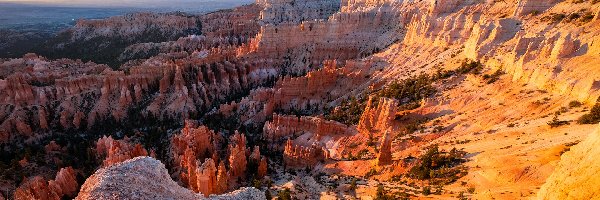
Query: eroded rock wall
point(296, 11)
point(298, 156)
point(287, 126)
point(135, 25)
point(575, 174)
point(40, 99)
point(311, 92)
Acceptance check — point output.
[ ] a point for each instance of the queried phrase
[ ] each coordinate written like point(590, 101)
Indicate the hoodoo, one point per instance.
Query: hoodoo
point(303, 99)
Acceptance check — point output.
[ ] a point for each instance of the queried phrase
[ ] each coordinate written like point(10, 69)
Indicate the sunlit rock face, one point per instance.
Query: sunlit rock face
point(375, 119)
point(195, 161)
point(112, 151)
point(575, 172)
point(525, 7)
point(63, 186)
point(237, 155)
point(385, 154)
point(284, 126)
point(298, 156)
point(196, 139)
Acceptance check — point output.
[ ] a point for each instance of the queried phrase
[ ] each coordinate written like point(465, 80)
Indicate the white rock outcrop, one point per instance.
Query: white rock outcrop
point(146, 178)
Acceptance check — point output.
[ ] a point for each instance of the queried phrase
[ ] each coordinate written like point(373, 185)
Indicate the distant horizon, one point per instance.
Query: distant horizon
point(123, 3)
point(53, 16)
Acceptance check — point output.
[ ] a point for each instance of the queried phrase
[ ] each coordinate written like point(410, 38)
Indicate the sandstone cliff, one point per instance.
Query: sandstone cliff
point(547, 48)
point(575, 176)
point(237, 156)
point(199, 140)
point(535, 46)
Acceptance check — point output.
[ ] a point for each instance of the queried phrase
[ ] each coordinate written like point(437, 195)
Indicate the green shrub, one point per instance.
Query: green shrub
point(268, 195)
point(471, 190)
point(348, 112)
point(284, 194)
point(555, 122)
point(437, 164)
point(410, 90)
point(575, 104)
point(382, 194)
point(469, 66)
point(426, 190)
point(491, 78)
point(587, 17)
point(558, 17)
point(593, 117)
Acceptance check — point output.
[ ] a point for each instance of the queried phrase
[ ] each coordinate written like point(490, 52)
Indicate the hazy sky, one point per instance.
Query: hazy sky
point(127, 3)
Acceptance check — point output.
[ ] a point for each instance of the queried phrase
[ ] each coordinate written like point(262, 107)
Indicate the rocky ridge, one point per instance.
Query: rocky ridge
point(143, 178)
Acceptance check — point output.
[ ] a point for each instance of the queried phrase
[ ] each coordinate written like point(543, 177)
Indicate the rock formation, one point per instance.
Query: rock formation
point(222, 29)
point(240, 22)
point(194, 152)
point(311, 92)
point(296, 11)
point(200, 140)
point(385, 154)
point(296, 156)
point(259, 161)
point(210, 178)
point(147, 178)
point(194, 144)
point(206, 178)
point(290, 57)
point(109, 95)
point(237, 155)
point(575, 174)
point(64, 185)
point(262, 168)
point(378, 118)
point(222, 179)
point(286, 126)
point(113, 151)
point(525, 7)
point(185, 80)
point(134, 25)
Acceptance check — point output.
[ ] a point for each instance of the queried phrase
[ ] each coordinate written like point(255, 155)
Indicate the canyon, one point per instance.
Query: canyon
point(315, 99)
